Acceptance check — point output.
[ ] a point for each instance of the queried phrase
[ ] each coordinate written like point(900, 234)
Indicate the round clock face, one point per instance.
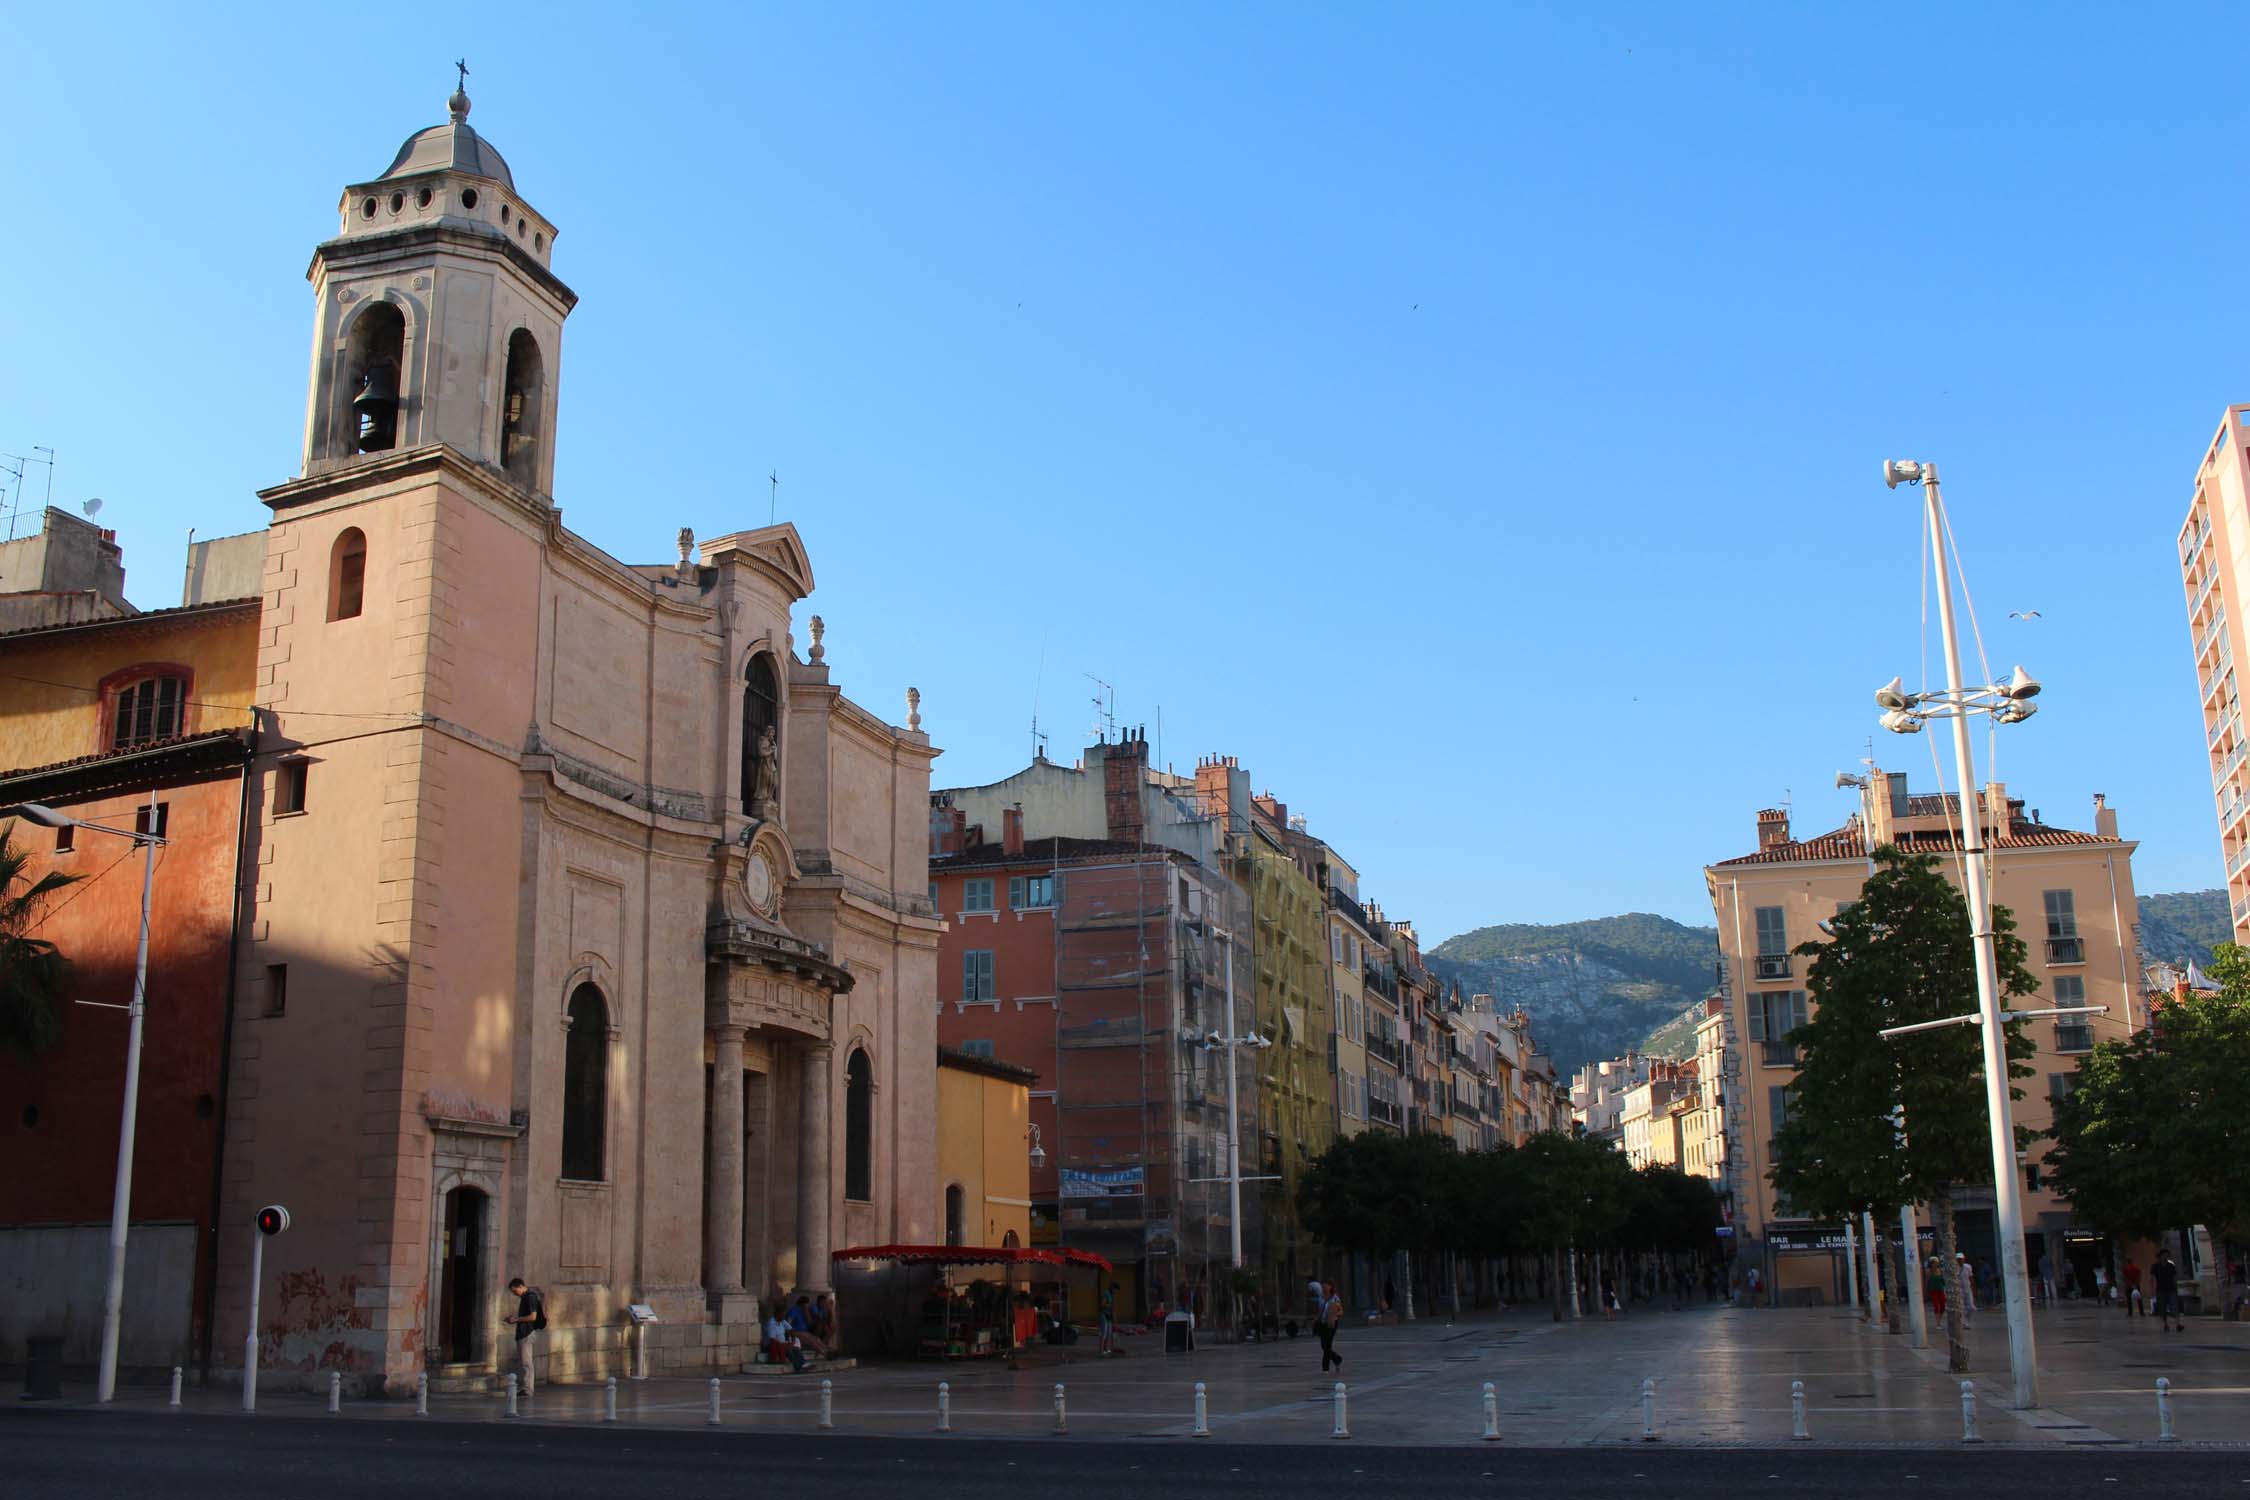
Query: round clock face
point(758, 883)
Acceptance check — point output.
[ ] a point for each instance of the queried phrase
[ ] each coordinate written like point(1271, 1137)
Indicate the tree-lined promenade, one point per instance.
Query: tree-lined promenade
point(1524, 1209)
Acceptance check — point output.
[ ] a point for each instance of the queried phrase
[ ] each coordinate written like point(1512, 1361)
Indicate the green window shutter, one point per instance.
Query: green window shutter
point(1757, 1012)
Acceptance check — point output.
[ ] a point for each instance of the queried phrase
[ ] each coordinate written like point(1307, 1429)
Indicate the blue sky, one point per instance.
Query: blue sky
point(1469, 417)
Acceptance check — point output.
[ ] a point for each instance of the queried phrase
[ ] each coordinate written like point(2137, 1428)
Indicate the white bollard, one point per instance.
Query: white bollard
point(1343, 1412)
point(335, 1390)
point(1797, 1411)
point(512, 1393)
point(1969, 1413)
point(1202, 1413)
point(422, 1394)
point(944, 1407)
point(175, 1385)
point(2164, 1410)
point(713, 1419)
point(827, 1405)
point(1491, 1413)
point(1648, 1411)
point(609, 1399)
point(1062, 1413)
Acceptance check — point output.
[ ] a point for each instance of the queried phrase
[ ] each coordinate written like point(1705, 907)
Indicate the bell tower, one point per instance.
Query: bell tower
point(438, 318)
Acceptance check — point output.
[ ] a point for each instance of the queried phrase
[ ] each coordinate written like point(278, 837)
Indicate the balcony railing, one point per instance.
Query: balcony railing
point(2203, 641)
point(2066, 950)
point(1777, 1054)
point(1386, 1110)
point(1771, 966)
point(2220, 675)
point(2073, 1038)
point(2238, 859)
point(1388, 1050)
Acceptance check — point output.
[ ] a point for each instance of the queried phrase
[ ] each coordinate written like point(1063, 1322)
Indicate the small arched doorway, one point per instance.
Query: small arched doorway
point(462, 1310)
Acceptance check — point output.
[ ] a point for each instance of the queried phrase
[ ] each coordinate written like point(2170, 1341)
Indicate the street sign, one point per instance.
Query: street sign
point(272, 1219)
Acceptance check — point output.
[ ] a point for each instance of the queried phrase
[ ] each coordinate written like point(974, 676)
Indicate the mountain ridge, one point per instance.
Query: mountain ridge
point(1603, 986)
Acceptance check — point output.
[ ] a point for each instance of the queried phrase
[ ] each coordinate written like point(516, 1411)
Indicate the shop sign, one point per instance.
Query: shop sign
point(1124, 1182)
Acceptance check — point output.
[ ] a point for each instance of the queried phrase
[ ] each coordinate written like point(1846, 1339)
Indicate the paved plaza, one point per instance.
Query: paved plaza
point(1722, 1377)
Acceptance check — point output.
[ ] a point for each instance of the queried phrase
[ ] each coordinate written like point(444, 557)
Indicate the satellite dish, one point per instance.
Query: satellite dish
point(91, 507)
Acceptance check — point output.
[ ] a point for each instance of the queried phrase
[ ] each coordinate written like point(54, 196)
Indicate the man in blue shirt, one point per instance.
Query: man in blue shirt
point(800, 1323)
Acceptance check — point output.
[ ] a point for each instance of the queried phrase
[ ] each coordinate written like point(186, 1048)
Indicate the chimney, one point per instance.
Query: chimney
point(1011, 829)
point(2105, 817)
point(1773, 827)
point(1124, 772)
point(1996, 807)
point(949, 826)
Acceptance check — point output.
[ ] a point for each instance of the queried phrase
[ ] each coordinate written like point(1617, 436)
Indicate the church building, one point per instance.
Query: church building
point(586, 930)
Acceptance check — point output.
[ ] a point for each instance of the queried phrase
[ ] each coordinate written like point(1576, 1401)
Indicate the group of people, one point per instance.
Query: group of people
point(807, 1330)
point(2163, 1273)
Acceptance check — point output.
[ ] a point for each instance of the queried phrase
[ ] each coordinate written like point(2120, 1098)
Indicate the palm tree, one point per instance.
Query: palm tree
point(33, 971)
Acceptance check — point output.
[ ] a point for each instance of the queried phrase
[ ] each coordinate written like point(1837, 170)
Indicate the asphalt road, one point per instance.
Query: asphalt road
point(69, 1453)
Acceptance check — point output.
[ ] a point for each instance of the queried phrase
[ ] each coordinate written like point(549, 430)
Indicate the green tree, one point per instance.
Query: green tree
point(1900, 954)
point(2154, 1136)
point(1376, 1193)
point(33, 972)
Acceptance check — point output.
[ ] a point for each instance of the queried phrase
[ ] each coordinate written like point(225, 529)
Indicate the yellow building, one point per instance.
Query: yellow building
point(1296, 1094)
point(984, 1149)
point(2072, 897)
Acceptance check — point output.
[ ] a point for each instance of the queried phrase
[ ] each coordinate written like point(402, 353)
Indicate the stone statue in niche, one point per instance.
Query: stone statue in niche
point(765, 791)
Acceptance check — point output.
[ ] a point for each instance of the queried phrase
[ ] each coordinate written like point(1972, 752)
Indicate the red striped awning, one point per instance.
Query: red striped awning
point(974, 1255)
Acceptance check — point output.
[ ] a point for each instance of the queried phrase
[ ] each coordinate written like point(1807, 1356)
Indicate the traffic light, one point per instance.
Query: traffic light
point(272, 1219)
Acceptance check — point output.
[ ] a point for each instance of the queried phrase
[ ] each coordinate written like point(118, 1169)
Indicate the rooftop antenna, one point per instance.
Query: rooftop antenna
point(1038, 740)
point(15, 499)
point(49, 461)
point(773, 496)
point(1105, 707)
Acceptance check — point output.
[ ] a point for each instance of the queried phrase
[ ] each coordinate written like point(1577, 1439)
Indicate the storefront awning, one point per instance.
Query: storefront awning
point(974, 1255)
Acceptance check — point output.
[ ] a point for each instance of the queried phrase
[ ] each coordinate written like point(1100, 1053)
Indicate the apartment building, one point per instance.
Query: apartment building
point(2072, 896)
point(2214, 542)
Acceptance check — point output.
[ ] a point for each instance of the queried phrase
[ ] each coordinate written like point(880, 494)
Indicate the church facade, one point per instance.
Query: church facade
point(585, 928)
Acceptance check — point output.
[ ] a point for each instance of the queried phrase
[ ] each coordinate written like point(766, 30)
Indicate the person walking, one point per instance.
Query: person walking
point(2046, 1279)
point(1316, 1299)
point(2130, 1275)
point(1933, 1285)
point(2167, 1278)
point(529, 1319)
point(1331, 1316)
point(1609, 1295)
point(1108, 1343)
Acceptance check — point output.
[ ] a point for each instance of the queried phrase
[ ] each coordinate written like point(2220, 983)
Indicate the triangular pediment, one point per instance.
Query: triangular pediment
point(779, 548)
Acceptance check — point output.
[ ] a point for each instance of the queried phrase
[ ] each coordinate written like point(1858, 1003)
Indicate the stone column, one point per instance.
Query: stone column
point(722, 1241)
point(814, 1184)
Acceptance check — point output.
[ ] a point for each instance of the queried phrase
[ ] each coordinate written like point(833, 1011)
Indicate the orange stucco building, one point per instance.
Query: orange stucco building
point(100, 718)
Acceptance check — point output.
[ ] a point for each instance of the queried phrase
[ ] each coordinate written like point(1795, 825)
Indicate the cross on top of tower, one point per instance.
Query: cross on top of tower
point(458, 105)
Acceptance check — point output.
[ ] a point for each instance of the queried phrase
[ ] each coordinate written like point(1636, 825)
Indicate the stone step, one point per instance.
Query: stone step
point(812, 1366)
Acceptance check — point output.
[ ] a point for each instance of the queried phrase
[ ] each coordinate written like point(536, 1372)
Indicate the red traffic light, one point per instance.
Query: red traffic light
point(272, 1219)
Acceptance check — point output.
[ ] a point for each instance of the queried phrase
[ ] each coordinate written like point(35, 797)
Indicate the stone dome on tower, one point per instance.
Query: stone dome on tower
point(451, 147)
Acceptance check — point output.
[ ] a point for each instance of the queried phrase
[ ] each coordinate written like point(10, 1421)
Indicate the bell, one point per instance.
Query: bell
point(376, 408)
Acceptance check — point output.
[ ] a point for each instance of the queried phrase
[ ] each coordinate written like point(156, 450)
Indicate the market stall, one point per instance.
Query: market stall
point(914, 1299)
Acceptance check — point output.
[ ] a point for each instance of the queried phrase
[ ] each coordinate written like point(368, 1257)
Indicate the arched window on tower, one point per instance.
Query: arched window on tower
point(373, 356)
point(347, 574)
point(761, 737)
point(523, 400)
point(585, 1117)
point(859, 1120)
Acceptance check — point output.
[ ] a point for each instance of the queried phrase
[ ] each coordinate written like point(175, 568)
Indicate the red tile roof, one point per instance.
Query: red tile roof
point(1850, 842)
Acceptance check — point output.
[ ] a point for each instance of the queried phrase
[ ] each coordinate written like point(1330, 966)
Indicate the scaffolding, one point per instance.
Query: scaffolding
point(1142, 1155)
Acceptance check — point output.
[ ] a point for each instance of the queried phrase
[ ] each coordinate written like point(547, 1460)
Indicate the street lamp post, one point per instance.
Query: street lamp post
point(121, 1193)
point(1233, 1040)
point(2007, 703)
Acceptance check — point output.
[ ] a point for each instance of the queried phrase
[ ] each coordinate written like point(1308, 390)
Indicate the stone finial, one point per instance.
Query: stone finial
point(818, 653)
point(913, 710)
point(687, 551)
